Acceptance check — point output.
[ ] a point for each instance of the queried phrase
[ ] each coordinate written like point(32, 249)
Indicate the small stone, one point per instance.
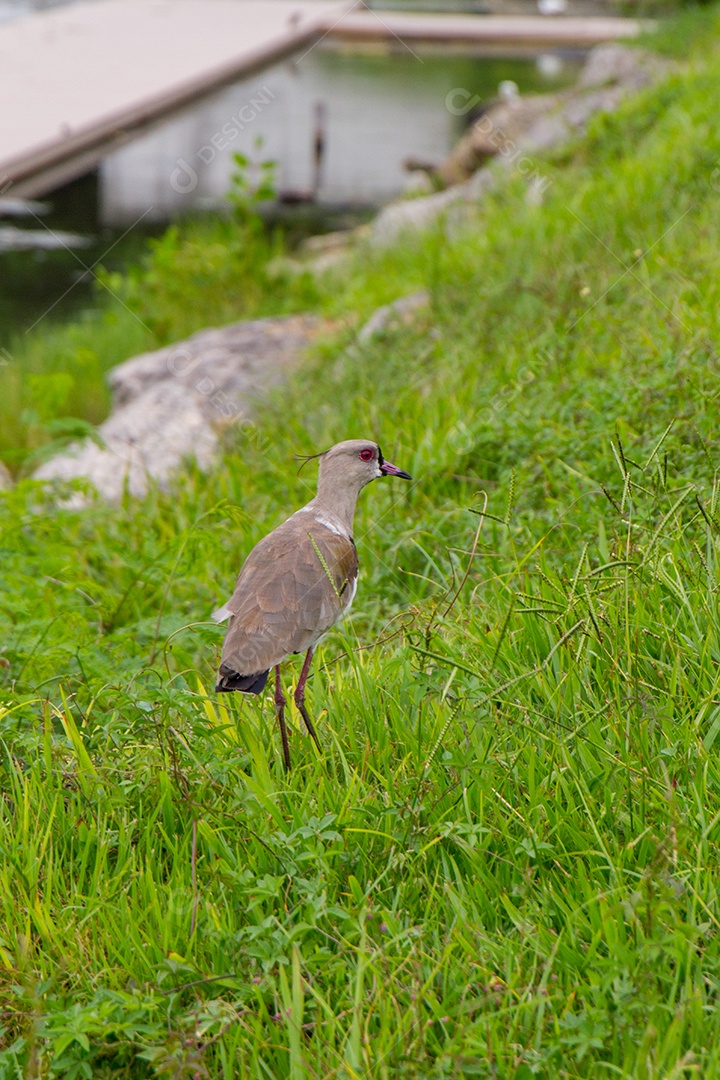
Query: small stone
point(397, 312)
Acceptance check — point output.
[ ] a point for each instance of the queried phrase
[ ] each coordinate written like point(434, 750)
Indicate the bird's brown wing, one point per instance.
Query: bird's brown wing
point(295, 584)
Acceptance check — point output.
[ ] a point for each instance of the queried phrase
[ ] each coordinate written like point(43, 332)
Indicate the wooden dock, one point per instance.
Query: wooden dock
point(79, 81)
point(508, 32)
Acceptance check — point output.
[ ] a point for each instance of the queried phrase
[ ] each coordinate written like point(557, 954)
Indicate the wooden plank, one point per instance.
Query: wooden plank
point(529, 31)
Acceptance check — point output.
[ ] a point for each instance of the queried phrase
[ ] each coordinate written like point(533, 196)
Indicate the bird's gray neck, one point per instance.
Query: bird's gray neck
point(336, 502)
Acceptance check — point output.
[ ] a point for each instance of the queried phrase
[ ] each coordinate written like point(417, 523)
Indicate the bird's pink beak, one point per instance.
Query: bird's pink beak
point(388, 469)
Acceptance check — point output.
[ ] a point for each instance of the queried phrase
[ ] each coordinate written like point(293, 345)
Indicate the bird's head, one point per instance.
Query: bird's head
point(354, 463)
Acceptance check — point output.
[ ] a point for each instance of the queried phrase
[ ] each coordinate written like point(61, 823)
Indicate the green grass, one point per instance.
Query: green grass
point(505, 863)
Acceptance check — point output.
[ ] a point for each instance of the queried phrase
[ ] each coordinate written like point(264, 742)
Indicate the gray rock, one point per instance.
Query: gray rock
point(146, 439)
point(170, 404)
point(397, 311)
point(331, 241)
point(451, 206)
point(243, 358)
point(478, 185)
point(545, 133)
point(631, 68)
point(418, 183)
point(411, 215)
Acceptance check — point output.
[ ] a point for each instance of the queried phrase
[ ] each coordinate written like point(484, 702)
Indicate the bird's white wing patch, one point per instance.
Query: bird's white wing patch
point(353, 590)
point(323, 519)
point(221, 614)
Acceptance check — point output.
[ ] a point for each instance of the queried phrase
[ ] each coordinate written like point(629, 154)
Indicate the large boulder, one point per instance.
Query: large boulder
point(627, 67)
point(171, 404)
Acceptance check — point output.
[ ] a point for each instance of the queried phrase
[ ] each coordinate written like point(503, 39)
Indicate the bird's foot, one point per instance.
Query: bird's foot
point(300, 702)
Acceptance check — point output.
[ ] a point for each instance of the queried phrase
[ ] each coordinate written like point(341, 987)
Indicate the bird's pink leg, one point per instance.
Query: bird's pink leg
point(280, 703)
point(300, 696)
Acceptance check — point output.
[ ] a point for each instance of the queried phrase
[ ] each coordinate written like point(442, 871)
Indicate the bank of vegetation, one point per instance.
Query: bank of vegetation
point(505, 862)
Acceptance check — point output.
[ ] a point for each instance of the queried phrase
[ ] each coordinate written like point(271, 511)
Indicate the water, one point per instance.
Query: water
point(14, 9)
point(48, 285)
point(376, 110)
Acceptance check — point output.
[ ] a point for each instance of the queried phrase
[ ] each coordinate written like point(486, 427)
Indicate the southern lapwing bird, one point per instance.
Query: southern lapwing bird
point(298, 581)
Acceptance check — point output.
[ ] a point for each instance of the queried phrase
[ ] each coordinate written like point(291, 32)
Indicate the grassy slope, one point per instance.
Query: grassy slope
point(506, 862)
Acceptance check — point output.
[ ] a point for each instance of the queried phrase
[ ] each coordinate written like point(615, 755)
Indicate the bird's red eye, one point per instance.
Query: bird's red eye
point(367, 454)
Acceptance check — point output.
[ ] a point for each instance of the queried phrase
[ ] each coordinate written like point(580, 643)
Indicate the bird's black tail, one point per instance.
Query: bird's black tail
point(233, 680)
